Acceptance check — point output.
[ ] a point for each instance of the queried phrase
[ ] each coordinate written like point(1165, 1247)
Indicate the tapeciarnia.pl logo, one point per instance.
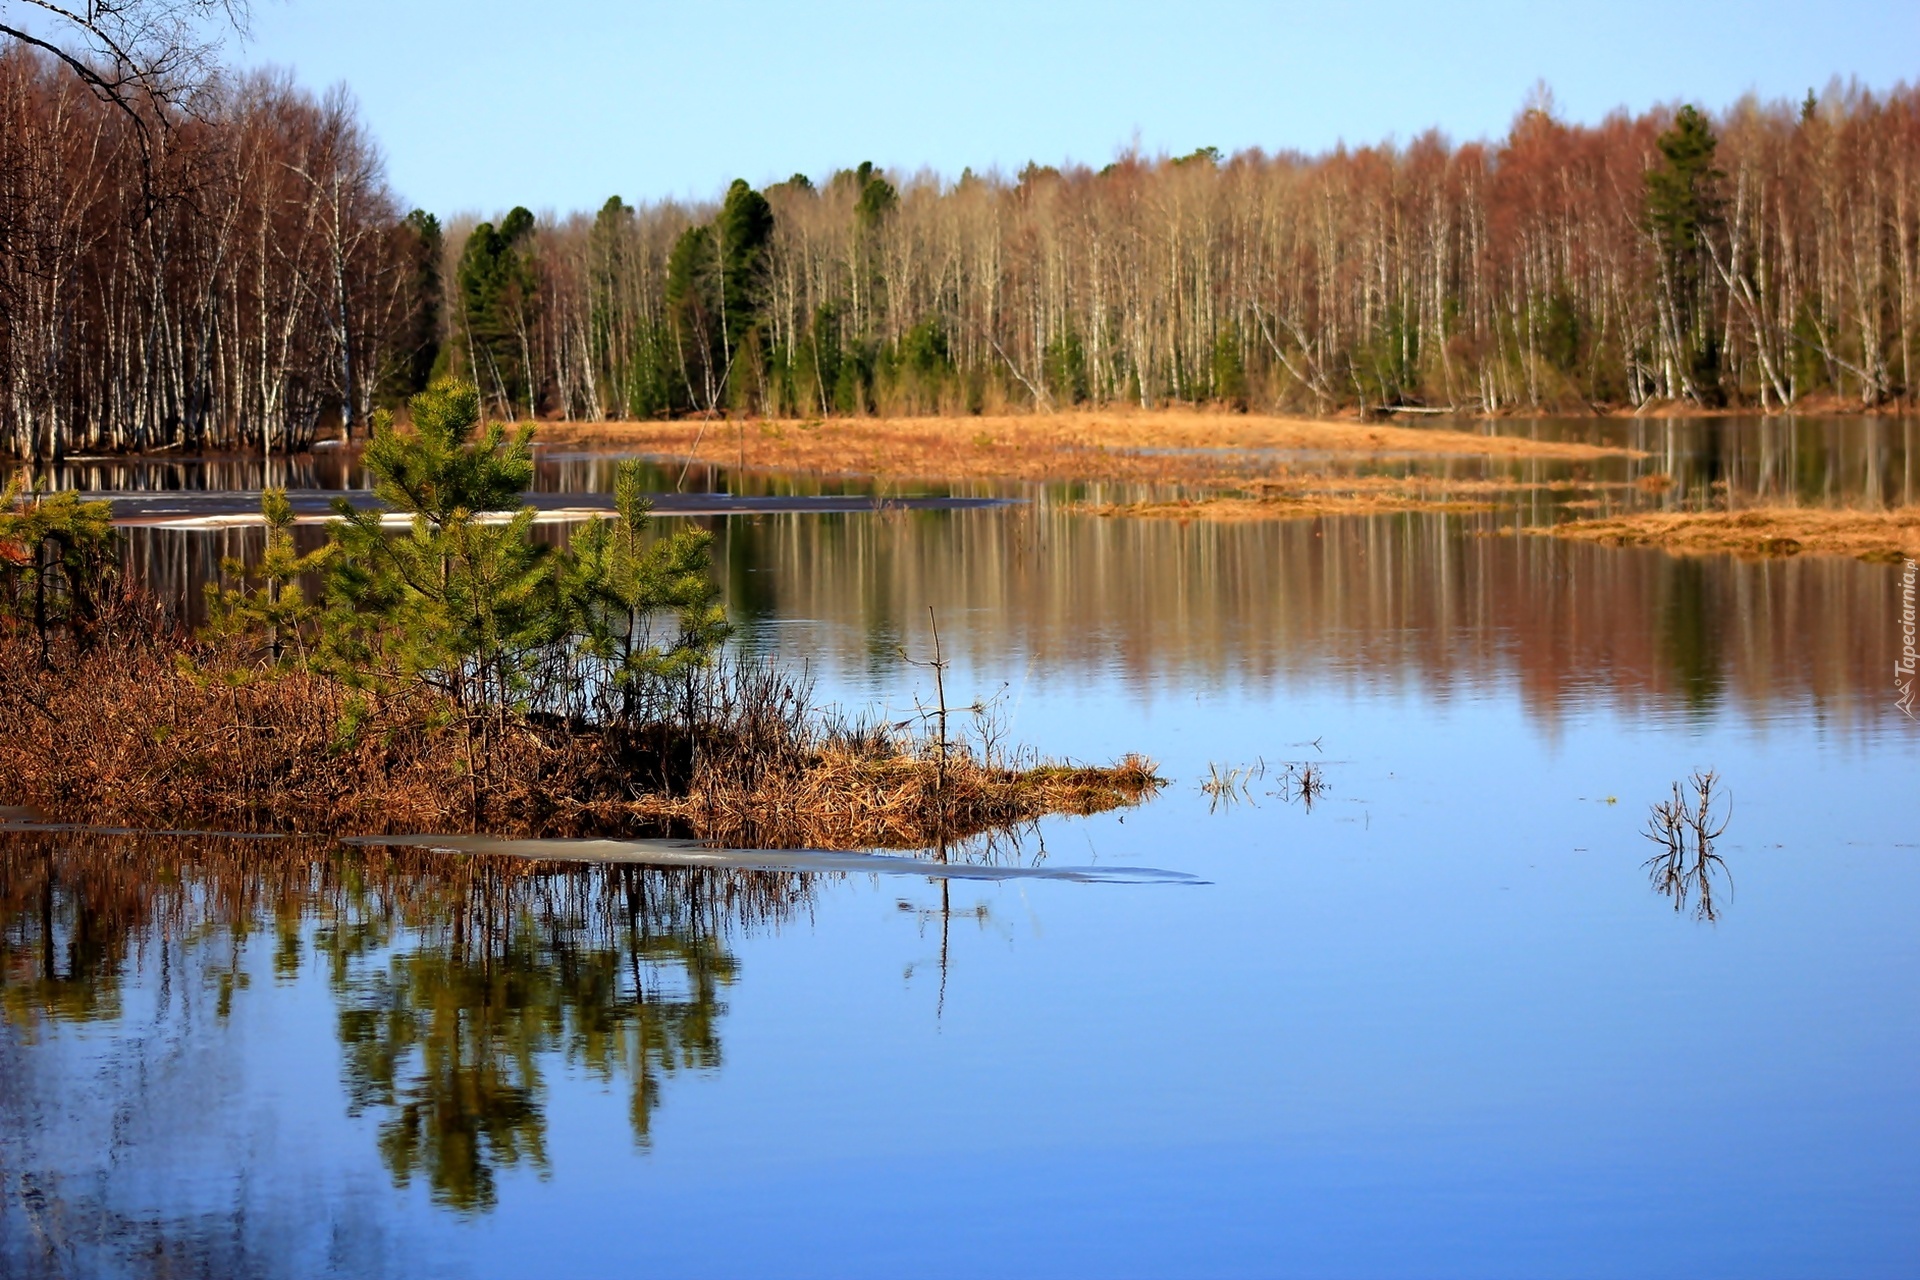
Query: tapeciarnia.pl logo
point(1903, 670)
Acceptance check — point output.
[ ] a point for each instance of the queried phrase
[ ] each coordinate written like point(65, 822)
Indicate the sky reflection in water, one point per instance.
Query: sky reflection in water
point(1439, 1024)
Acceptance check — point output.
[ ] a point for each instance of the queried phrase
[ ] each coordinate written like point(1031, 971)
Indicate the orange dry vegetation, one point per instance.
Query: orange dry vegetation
point(159, 731)
point(837, 798)
point(1762, 531)
point(1280, 506)
point(1102, 446)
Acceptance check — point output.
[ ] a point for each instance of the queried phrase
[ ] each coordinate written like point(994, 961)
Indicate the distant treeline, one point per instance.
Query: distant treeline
point(1760, 258)
point(258, 284)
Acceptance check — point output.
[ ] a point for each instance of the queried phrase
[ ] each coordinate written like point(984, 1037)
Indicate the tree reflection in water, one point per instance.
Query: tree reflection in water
point(459, 982)
point(447, 1022)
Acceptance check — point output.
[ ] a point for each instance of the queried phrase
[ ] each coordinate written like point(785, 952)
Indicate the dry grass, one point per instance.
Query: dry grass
point(1173, 445)
point(851, 796)
point(163, 735)
point(1234, 508)
point(1289, 496)
point(1761, 532)
point(159, 733)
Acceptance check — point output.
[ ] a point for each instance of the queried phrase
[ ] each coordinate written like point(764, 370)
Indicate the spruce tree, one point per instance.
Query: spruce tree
point(1682, 195)
point(693, 298)
point(1682, 207)
point(417, 349)
point(745, 228)
point(1229, 371)
point(499, 292)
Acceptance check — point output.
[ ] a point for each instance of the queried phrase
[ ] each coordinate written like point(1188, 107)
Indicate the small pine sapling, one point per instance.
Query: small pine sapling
point(266, 605)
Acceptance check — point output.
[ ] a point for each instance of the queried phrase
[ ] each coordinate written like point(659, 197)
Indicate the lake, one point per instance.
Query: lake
point(1428, 1015)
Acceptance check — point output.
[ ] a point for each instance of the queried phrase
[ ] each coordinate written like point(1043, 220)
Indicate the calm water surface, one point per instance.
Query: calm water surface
point(1437, 1023)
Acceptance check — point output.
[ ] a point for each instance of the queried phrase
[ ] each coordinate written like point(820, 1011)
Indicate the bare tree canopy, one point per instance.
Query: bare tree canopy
point(130, 51)
point(252, 282)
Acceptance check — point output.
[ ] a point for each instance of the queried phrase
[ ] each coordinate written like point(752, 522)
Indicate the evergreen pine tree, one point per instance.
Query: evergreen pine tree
point(460, 601)
point(618, 588)
point(266, 601)
point(58, 558)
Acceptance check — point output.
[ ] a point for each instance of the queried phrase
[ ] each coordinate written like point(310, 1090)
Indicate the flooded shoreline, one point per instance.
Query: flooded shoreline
point(688, 853)
point(1452, 993)
point(240, 509)
point(1836, 459)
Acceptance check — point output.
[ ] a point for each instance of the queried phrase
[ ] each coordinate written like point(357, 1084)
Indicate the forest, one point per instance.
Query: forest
point(241, 276)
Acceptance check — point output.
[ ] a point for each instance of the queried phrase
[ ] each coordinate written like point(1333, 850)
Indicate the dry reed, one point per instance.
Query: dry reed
point(1235, 508)
point(1881, 536)
point(1173, 445)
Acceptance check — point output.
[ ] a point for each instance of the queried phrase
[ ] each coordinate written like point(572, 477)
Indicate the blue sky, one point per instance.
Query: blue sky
point(483, 104)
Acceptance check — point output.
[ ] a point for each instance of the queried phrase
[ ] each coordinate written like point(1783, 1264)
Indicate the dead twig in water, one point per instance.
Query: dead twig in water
point(1684, 827)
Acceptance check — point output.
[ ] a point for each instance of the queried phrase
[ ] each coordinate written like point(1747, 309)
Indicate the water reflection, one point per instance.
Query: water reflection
point(460, 986)
point(210, 473)
point(1871, 460)
point(1432, 605)
point(1689, 638)
point(1845, 460)
point(449, 1028)
point(1429, 602)
point(117, 981)
point(1293, 781)
point(1435, 603)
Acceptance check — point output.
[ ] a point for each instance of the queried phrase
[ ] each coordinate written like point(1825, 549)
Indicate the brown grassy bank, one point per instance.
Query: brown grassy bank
point(1237, 508)
point(1163, 446)
point(849, 796)
point(1759, 532)
point(168, 733)
point(1220, 456)
point(1306, 496)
